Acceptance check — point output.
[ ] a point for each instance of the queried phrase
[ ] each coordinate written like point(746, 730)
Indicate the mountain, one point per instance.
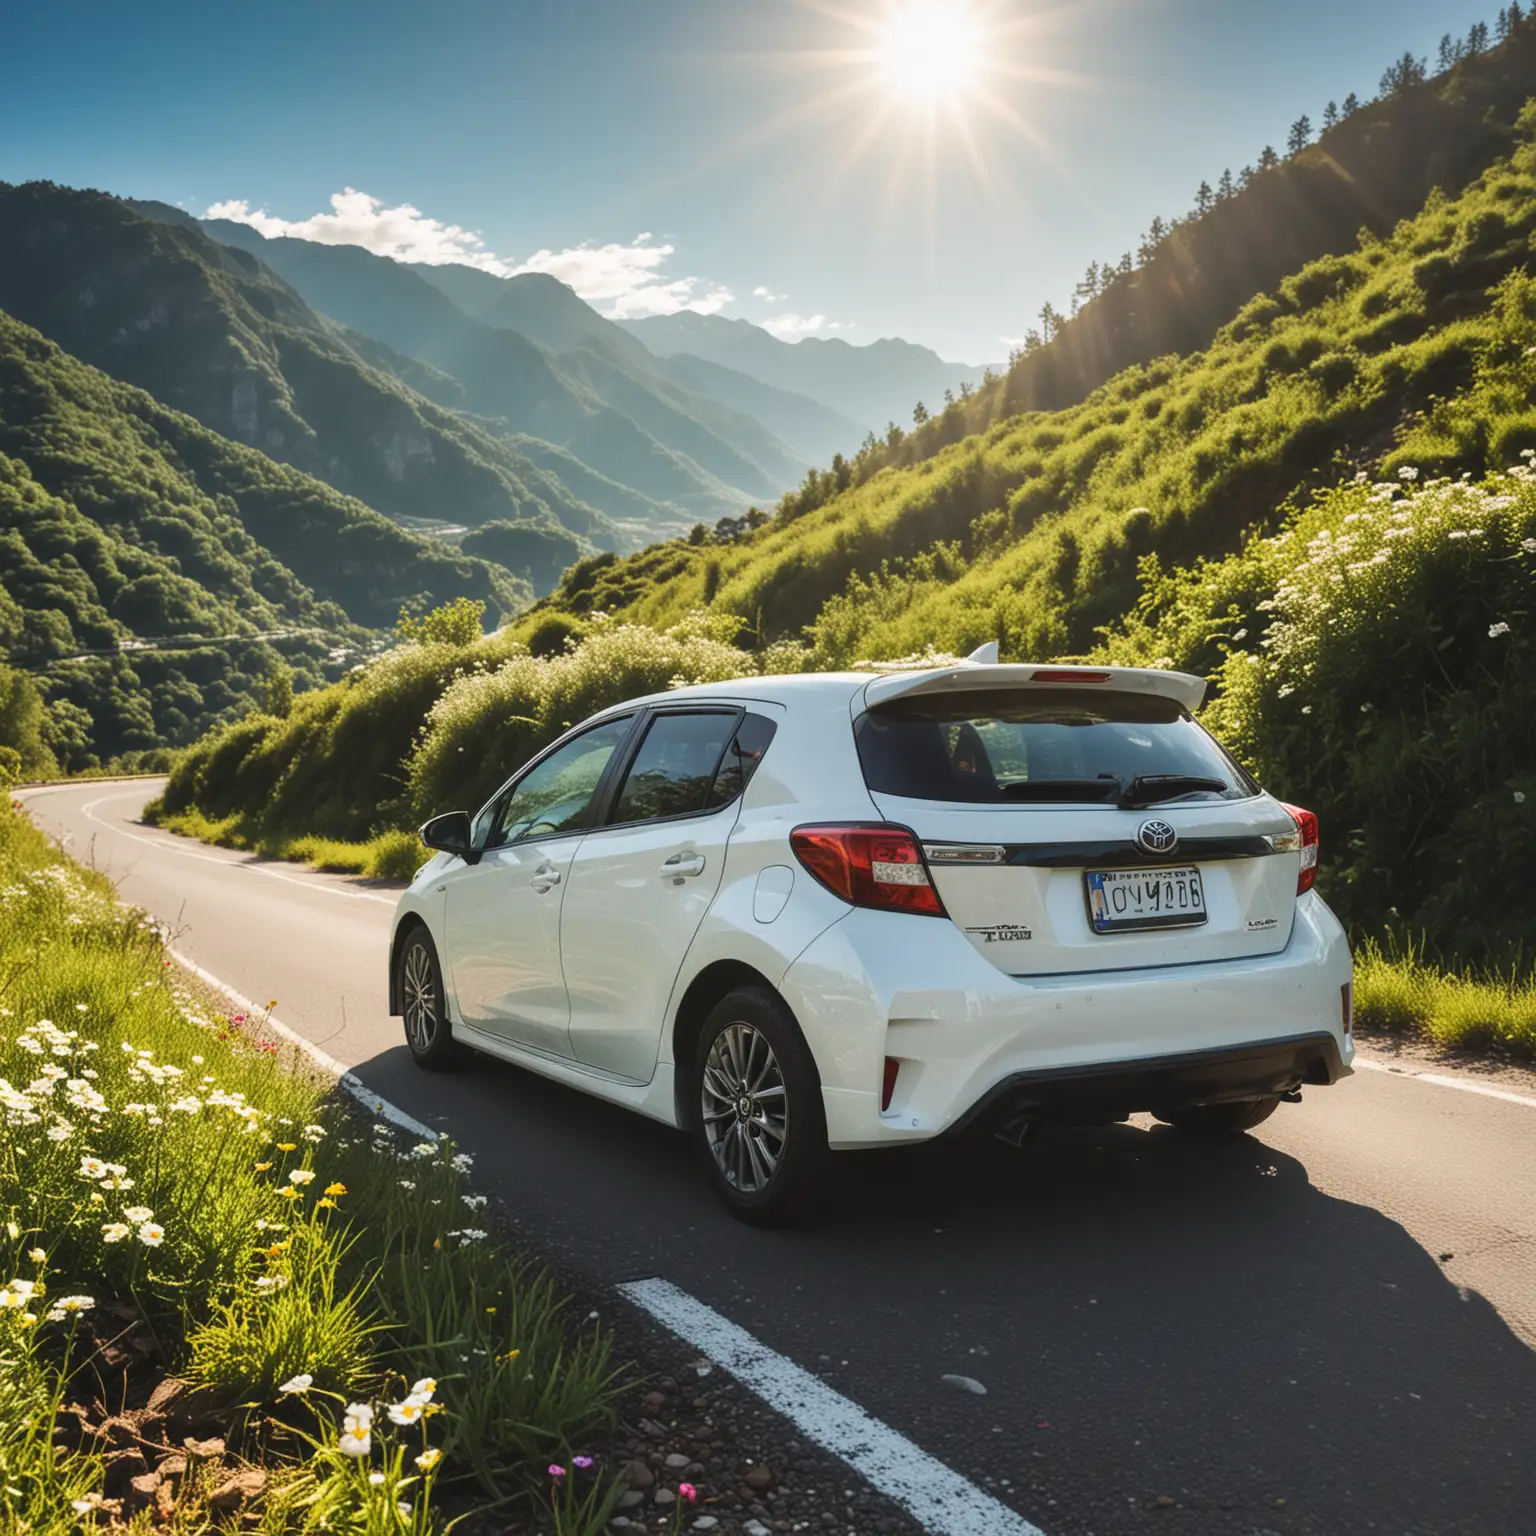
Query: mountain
point(1408, 351)
point(209, 331)
point(599, 399)
point(154, 574)
point(873, 385)
point(549, 312)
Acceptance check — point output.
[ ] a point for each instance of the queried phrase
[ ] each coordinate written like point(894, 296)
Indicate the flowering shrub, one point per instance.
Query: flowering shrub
point(1376, 661)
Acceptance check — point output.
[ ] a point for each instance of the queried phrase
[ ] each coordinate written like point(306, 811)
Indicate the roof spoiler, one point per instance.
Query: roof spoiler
point(981, 671)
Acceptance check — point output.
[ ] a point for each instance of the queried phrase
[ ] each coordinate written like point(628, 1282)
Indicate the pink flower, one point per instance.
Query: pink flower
point(582, 1461)
point(687, 1491)
point(556, 1470)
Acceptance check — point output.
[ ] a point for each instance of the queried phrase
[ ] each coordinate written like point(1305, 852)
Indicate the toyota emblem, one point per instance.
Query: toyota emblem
point(1156, 837)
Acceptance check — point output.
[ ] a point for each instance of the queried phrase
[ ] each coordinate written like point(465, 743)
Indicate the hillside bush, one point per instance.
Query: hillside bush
point(1376, 661)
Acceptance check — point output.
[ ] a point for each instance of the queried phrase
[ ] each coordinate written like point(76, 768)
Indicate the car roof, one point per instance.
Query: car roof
point(823, 688)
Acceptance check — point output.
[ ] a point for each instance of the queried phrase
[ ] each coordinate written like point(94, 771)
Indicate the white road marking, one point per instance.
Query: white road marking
point(327, 1063)
point(1442, 1080)
point(240, 863)
point(939, 1499)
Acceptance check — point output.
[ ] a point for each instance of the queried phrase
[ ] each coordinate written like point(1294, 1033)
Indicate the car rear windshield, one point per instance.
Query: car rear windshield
point(1044, 746)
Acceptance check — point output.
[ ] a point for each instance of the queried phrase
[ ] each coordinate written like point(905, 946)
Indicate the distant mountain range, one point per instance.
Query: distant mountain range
point(873, 385)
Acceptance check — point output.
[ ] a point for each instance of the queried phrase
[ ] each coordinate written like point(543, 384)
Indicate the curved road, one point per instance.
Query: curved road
point(1329, 1327)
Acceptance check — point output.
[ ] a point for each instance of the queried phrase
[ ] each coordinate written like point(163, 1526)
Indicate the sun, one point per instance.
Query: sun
point(930, 50)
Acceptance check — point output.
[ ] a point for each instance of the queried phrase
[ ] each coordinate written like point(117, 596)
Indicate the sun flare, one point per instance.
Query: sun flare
point(930, 50)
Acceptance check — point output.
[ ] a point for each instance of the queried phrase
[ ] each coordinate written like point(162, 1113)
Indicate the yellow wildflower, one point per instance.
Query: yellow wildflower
point(287, 1146)
point(325, 1203)
point(263, 1167)
point(335, 1189)
point(288, 1194)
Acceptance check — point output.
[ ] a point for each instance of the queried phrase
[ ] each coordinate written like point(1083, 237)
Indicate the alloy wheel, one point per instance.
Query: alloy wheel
point(419, 984)
point(745, 1108)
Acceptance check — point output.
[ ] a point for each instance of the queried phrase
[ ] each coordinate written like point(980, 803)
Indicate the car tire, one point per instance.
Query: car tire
point(1220, 1119)
point(757, 1113)
point(423, 1005)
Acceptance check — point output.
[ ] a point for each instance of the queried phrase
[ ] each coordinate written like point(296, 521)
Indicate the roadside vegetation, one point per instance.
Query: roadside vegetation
point(223, 1295)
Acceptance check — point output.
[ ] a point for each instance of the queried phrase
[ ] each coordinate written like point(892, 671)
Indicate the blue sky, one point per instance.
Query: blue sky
point(774, 168)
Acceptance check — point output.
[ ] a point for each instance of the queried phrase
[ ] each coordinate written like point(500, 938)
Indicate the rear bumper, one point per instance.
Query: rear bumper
point(971, 1041)
point(1110, 1091)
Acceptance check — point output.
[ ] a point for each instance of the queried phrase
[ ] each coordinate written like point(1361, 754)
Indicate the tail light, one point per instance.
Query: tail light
point(1306, 825)
point(869, 866)
point(888, 1085)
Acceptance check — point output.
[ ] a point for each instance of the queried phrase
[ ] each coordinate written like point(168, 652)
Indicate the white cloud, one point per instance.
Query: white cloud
point(767, 297)
point(624, 281)
point(405, 233)
point(790, 326)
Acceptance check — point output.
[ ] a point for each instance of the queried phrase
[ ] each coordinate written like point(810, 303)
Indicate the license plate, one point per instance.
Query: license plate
point(1124, 899)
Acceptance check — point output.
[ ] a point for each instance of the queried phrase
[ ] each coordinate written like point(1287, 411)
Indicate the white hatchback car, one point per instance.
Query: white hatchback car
point(795, 914)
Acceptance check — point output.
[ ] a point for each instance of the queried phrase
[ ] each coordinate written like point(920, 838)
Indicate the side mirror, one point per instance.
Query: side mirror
point(450, 833)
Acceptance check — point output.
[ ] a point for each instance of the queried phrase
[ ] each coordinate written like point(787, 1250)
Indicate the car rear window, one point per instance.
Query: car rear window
point(1042, 746)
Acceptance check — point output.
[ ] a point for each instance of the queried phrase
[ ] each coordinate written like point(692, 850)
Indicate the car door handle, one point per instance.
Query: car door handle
point(545, 878)
point(681, 864)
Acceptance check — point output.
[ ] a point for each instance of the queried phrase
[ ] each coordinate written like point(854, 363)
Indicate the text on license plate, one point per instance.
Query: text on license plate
point(1119, 899)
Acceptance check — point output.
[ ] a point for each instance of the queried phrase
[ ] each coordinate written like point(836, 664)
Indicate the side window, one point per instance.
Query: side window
point(556, 796)
point(675, 768)
point(741, 759)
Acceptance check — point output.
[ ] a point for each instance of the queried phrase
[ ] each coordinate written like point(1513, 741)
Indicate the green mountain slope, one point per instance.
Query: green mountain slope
point(1032, 531)
point(209, 331)
point(611, 412)
point(549, 312)
point(153, 574)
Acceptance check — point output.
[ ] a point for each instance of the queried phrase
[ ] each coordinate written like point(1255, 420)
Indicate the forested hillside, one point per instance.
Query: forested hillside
point(210, 331)
point(1407, 349)
point(155, 576)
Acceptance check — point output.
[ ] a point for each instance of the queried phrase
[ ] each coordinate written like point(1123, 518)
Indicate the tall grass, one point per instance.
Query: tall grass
point(1398, 991)
point(216, 1214)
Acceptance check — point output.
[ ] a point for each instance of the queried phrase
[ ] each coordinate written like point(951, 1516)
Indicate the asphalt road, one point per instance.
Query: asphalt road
point(1338, 1313)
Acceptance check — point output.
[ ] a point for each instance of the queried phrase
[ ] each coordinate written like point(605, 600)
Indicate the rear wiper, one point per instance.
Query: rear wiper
point(1150, 788)
point(1105, 787)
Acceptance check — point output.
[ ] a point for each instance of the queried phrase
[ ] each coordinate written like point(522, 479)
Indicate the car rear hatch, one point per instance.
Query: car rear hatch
point(1076, 819)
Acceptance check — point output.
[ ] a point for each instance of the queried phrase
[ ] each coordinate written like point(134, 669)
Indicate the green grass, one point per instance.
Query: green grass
point(1400, 993)
point(232, 1223)
point(389, 856)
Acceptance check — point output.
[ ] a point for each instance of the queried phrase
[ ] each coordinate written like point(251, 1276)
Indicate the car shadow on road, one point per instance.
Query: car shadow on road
point(1150, 1314)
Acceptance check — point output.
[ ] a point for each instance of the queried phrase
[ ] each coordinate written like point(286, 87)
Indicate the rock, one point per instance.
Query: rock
point(238, 1491)
point(676, 1461)
point(142, 1489)
point(1165, 1501)
point(754, 1528)
point(652, 1429)
point(174, 1465)
point(965, 1384)
point(664, 1497)
point(630, 1499)
point(204, 1449)
point(705, 1523)
point(760, 1478)
point(168, 1392)
point(655, 1401)
point(121, 1471)
point(638, 1475)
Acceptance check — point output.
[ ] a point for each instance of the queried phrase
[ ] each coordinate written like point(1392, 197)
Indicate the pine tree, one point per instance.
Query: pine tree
point(1515, 17)
point(1204, 197)
point(1330, 116)
point(1351, 104)
point(919, 414)
point(1300, 136)
point(1503, 26)
point(1051, 320)
point(1126, 267)
point(1477, 38)
point(1446, 58)
point(1246, 175)
point(1226, 188)
point(1156, 233)
point(1268, 159)
point(1402, 76)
